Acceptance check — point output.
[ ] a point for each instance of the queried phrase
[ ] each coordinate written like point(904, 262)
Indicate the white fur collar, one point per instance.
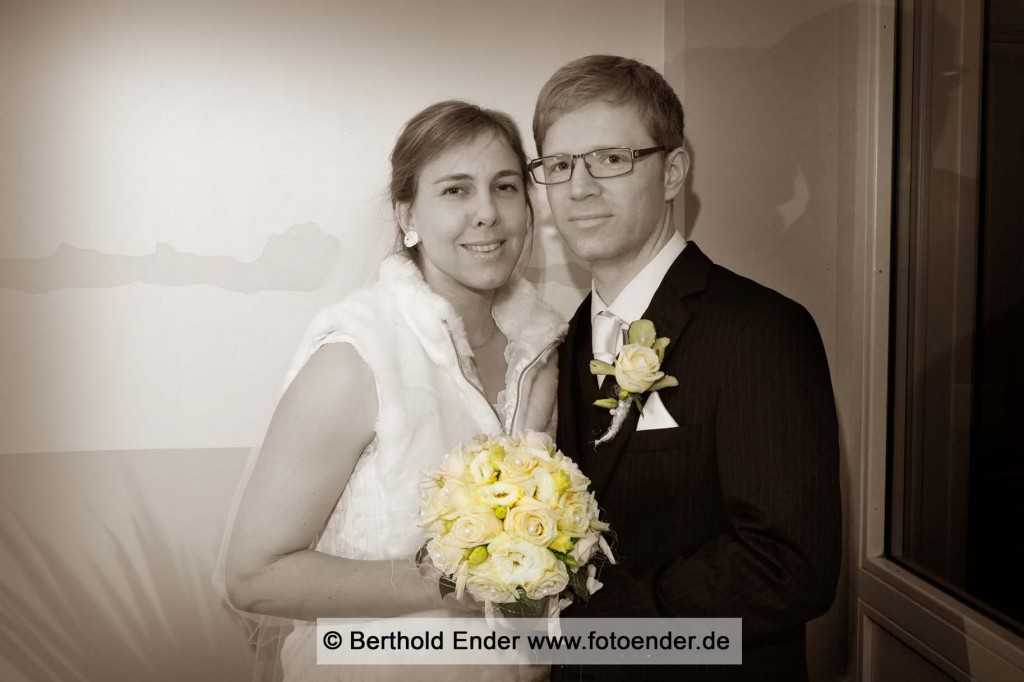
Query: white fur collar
point(529, 323)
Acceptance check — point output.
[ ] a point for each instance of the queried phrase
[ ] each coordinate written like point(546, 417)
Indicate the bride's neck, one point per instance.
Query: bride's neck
point(473, 306)
point(475, 312)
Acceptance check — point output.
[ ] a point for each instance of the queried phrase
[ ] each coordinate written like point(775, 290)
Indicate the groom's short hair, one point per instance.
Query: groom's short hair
point(616, 80)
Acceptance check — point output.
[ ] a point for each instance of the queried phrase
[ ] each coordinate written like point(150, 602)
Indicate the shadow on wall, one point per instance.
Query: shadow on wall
point(769, 155)
point(298, 260)
point(770, 194)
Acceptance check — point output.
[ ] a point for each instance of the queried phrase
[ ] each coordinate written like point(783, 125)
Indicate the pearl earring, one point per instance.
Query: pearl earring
point(412, 238)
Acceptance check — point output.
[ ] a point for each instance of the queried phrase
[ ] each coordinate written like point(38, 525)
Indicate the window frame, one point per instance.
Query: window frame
point(961, 641)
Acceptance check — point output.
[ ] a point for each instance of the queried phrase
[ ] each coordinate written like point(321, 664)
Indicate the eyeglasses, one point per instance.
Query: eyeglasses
point(600, 163)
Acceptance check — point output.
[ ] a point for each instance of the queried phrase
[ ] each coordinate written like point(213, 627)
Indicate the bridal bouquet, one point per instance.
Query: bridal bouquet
point(510, 519)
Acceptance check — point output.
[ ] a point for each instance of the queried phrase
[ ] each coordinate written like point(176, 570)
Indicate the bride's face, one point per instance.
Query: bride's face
point(470, 213)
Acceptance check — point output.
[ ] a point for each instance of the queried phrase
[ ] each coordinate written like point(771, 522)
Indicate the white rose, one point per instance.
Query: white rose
point(637, 368)
point(500, 494)
point(574, 519)
point(533, 522)
point(474, 526)
point(445, 557)
point(455, 496)
point(481, 469)
point(454, 464)
point(595, 513)
point(529, 487)
point(519, 562)
point(485, 584)
point(432, 507)
point(578, 481)
point(538, 444)
point(550, 583)
point(547, 490)
point(516, 465)
point(584, 549)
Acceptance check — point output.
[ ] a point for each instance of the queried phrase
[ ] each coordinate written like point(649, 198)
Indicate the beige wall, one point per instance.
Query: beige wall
point(769, 91)
point(217, 129)
point(183, 184)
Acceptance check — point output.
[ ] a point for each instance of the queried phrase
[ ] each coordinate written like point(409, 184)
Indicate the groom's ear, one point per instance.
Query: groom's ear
point(677, 165)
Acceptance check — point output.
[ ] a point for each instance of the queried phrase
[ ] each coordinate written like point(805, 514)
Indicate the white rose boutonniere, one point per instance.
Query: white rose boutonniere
point(637, 370)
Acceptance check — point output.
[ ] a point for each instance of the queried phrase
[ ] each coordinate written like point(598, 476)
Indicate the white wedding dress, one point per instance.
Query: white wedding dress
point(371, 523)
point(429, 400)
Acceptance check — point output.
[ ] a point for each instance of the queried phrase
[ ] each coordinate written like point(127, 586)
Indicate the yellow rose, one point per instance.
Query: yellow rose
point(637, 368)
point(563, 543)
point(497, 453)
point(535, 523)
point(549, 583)
point(474, 526)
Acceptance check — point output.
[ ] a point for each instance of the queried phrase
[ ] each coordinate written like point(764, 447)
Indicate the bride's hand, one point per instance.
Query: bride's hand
point(466, 605)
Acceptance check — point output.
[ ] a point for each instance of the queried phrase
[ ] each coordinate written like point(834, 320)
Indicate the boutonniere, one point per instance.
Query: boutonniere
point(637, 370)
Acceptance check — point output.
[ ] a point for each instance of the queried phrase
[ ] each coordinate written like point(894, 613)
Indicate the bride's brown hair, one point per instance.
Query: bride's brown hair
point(440, 127)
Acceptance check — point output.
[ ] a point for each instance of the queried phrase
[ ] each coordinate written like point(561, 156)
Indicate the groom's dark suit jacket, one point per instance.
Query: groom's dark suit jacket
point(736, 512)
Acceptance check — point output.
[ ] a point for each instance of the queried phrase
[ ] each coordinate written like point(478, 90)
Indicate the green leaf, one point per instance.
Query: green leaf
point(609, 403)
point(659, 347)
point(565, 559)
point(642, 332)
point(422, 556)
point(601, 367)
point(664, 382)
point(636, 399)
point(445, 586)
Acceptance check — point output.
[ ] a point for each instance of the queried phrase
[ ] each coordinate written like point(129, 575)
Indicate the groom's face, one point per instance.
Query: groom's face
point(606, 219)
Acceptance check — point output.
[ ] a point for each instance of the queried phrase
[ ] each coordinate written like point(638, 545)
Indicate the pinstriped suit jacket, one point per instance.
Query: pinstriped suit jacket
point(737, 512)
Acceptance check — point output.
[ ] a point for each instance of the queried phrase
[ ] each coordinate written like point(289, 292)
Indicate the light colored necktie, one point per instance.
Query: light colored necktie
point(606, 338)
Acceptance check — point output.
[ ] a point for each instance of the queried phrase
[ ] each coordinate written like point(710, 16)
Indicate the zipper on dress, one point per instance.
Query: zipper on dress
point(519, 383)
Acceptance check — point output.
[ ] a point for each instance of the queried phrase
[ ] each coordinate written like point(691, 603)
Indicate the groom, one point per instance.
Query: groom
point(724, 495)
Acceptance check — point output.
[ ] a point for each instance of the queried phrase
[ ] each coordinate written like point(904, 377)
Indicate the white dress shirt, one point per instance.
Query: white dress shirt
point(630, 305)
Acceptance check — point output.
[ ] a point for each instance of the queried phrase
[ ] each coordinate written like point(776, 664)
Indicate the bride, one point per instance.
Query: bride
point(448, 343)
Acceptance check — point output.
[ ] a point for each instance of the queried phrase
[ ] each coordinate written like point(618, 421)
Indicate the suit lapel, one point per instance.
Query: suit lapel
point(670, 315)
point(571, 420)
